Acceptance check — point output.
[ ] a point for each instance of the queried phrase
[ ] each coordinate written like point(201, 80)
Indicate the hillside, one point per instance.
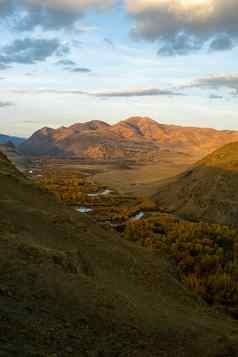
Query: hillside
point(136, 138)
point(209, 191)
point(70, 288)
point(14, 139)
point(18, 159)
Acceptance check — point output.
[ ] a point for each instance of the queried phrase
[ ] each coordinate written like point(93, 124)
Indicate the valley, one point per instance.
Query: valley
point(139, 243)
point(71, 287)
point(205, 254)
point(118, 178)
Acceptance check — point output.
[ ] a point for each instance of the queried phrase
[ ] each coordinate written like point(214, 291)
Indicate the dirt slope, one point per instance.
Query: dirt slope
point(136, 138)
point(69, 288)
point(209, 191)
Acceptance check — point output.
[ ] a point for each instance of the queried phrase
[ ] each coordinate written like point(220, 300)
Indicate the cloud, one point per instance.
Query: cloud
point(215, 96)
point(49, 14)
point(221, 43)
point(48, 91)
point(109, 42)
point(30, 51)
point(80, 70)
point(138, 93)
point(71, 5)
point(71, 66)
point(66, 62)
point(181, 45)
point(216, 82)
point(125, 94)
point(182, 26)
point(5, 104)
point(3, 66)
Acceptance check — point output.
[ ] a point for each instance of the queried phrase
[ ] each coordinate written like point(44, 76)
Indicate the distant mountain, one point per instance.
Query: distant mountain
point(94, 140)
point(70, 288)
point(17, 158)
point(135, 138)
point(14, 139)
point(209, 191)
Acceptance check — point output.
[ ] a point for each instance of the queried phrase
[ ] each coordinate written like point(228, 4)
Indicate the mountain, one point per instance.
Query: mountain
point(14, 139)
point(17, 158)
point(136, 138)
point(70, 288)
point(209, 191)
point(95, 140)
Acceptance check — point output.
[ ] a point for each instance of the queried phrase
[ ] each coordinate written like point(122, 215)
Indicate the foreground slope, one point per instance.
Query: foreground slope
point(209, 191)
point(69, 288)
point(136, 138)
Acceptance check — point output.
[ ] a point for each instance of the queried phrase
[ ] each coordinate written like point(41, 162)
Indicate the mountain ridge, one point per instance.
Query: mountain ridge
point(138, 138)
point(14, 139)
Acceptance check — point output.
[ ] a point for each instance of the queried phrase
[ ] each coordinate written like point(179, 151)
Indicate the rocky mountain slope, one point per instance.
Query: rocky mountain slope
point(17, 158)
point(209, 191)
point(95, 140)
point(136, 138)
point(70, 288)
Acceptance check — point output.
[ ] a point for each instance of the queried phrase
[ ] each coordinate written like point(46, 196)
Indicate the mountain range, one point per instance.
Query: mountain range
point(71, 288)
point(208, 191)
point(14, 139)
point(137, 138)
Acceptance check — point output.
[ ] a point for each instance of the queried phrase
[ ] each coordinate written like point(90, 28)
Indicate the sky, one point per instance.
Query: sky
point(67, 61)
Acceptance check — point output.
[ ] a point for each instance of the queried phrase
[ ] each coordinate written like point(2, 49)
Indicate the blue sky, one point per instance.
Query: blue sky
point(79, 60)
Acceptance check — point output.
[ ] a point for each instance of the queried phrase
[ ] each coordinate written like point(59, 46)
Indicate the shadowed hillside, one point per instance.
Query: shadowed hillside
point(136, 138)
point(209, 191)
point(18, 159)
point(70, 288)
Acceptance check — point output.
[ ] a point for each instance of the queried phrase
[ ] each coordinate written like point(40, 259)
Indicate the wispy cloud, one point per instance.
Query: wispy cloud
point(103, 94)
point(216, 82)
point(139, 93)
point(72, 66)
point(80, 70)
